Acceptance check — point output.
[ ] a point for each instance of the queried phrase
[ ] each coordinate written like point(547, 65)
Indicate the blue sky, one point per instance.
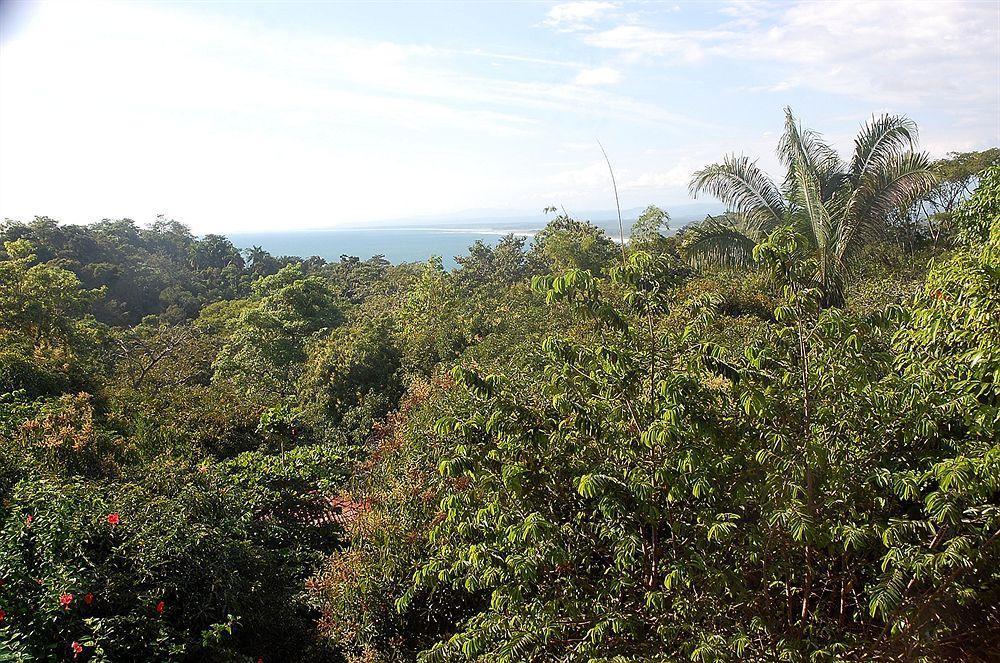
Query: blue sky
point(268, 116)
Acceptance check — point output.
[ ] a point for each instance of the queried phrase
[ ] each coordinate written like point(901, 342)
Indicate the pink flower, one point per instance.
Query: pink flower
point(65, 600)
point(27, 521)
point(113, 519)
point(77, 648)
point(159, 607)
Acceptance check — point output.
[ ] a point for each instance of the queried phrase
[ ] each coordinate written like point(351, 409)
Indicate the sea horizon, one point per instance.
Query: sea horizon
point(396, 244)
point(406, 241)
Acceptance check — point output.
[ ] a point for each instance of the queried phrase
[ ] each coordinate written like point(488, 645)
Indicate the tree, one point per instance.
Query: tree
point(350, 378)
point(838, 207)
point(266, 348)
point(497, 266)
point(215, 252)
point(260, 262)
point(432, 325)
point(39, 302)
point(958, 176)
point(169, 237)
point(567, 243)
point(977, 217)
point(647, 231)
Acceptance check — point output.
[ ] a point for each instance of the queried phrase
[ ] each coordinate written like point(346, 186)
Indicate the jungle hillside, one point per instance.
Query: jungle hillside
point(771, 435)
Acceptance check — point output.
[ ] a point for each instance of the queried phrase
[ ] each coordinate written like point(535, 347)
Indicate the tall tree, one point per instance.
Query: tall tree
point(958, 176)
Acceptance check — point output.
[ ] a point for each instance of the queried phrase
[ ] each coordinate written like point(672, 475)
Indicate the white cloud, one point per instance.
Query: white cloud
point(117, 109)
point(677, 176)
point(576, 146)
point(598, 76)
point(577, 16)
point(901, 53)
point(639, 40)
point(592, 175)
point(780, 86)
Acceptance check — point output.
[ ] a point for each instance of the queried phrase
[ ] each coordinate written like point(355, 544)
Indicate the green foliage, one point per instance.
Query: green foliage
point(652, 495)
point(352, 373)
point(959, 174)
point(179, 549)
point(41, 304)
point(433, 328)
point(647, 231)
point(184, 523)
point(498, 266)
point(161, 269)
point(567, 243)
point(620, 459)
point(267, 344)
point(976, 218)
point(388, 508)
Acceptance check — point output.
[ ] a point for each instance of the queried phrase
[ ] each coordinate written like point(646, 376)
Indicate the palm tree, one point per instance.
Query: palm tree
point(838, 207)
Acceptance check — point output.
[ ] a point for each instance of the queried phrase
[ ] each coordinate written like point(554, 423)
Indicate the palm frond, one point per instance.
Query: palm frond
point(723, 241)
point(804, 185)
point(897, 183)
point(798, 144)
point(745, 189)
point(839, 208)
point(881, 140)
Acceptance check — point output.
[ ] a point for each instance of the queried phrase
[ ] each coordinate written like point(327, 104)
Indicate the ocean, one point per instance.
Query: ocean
point(418, 241)
point(396, 244)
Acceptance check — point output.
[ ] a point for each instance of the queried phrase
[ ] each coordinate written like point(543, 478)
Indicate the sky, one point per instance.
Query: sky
point(253, 116)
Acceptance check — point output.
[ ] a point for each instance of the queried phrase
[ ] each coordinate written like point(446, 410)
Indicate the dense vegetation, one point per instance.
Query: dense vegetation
point(772, 436)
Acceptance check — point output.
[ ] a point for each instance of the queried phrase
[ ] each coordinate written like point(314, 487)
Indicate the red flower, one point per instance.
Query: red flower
point(113, 518)
point(159, 607)
point(3, 615)
point(88, 598)
point(77, 648)
point(65, 600)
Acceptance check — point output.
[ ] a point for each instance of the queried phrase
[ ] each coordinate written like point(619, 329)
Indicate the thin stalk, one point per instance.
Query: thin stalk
point(810, 482)
point(614, 185)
